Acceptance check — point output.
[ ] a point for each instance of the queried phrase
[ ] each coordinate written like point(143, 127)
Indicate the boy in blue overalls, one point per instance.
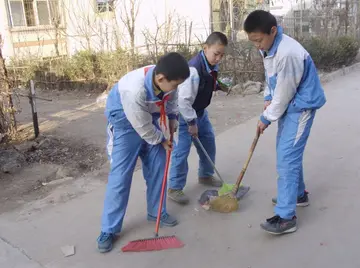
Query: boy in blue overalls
point(292, 96)
point(133, 108)
point(194, 97)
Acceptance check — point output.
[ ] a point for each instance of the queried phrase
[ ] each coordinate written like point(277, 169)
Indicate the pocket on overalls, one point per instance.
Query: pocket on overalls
point(119, 121)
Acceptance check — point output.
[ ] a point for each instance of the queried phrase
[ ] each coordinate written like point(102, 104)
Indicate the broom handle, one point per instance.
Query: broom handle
point(168, 155)
point(242, 173)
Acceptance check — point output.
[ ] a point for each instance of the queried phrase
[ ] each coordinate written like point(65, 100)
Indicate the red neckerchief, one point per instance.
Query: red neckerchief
point(161, 105)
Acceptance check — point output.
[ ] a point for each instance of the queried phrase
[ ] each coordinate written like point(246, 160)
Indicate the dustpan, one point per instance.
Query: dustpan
point(227, 201)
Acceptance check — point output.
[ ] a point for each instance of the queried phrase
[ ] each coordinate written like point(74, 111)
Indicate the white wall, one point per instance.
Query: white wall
point(197, 11)
point(283, 7)
point(7, 49)
point(86, 28)
point(23, 41)
point(105, 28)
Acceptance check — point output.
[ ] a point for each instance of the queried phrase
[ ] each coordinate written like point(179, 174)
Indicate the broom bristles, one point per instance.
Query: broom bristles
point(150, 244)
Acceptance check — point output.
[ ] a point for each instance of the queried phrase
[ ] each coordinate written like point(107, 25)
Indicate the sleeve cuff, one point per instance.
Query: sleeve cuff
point(264, 120)
point(268, 98)
point(173, 117)
point(192, 122)
point(163, 139)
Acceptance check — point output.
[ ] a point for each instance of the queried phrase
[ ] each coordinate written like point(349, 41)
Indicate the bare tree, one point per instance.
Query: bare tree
point(7, 111)
point(167, 33)
point(331, 15)
point(129, 11)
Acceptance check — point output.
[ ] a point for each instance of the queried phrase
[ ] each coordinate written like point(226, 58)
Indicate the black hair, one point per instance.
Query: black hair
point(260, 21)
point(173, 66)
point(216, 38)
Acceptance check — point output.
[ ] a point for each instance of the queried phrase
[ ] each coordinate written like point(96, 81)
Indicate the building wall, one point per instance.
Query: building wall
point(84, 27)
point(7, 48)
point(233, 25)
point(26, 37)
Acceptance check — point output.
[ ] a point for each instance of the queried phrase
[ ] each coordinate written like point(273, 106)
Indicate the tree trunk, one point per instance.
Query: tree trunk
point(7, 111)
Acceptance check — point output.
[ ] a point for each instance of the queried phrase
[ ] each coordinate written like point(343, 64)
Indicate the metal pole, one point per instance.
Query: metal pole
point(32, 99)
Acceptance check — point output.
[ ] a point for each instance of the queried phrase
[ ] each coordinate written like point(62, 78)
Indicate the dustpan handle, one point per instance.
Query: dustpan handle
point(242, 173)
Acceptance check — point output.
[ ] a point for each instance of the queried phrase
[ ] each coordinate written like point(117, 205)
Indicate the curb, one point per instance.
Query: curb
point(328, 77)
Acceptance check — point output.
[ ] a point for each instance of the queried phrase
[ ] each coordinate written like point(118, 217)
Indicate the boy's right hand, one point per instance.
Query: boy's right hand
point(193, 130)
point(167, 145)
point(266, 104)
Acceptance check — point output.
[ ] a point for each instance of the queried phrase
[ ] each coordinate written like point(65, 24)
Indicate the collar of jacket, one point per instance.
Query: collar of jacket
point(151, 90)
point(278, 37)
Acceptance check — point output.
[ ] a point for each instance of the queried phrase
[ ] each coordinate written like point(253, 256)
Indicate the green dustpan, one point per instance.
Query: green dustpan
point(226, 187)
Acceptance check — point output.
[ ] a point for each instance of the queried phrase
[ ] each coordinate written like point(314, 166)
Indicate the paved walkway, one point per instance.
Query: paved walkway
point(327, 234)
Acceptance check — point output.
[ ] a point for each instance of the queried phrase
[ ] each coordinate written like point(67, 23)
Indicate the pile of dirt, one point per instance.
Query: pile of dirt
point(69, 153)
point(31, 169)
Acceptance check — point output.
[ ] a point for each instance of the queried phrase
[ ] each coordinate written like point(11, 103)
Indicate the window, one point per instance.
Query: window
point(105, 5)
point(29, 13)
point(43, 12)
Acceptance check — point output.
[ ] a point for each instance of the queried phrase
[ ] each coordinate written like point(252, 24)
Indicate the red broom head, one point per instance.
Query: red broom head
point(150, 244)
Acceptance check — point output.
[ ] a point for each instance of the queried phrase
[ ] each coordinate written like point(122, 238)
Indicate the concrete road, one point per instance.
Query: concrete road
point(328, 233)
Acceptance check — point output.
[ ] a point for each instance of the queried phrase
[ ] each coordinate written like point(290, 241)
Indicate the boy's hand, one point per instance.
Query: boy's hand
point(261, 127)
point(193, 130)
point(266, 104)
point(173, 125)
point(223, 88)
point(167, 145)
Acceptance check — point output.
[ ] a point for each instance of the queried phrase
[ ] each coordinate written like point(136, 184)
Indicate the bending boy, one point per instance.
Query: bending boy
point(133, 108)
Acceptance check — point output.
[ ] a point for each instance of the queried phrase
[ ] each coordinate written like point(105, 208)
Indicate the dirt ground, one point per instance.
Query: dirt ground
point(72, 142)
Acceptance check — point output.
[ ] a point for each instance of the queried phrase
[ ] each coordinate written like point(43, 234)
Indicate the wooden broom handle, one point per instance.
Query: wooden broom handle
point(242, 173)
point(163, 187)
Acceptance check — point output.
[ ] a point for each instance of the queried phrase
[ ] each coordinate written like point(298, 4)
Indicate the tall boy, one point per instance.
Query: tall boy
point(133, 108)
point(292, 96)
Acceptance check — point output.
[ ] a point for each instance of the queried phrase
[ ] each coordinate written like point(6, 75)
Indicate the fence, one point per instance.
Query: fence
point(98, 71)
point(333, 23)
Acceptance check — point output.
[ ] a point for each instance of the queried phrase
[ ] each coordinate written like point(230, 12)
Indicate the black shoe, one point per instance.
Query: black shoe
point(277, 225)
point(301, 201)
point(105, 242)
point(210, 181)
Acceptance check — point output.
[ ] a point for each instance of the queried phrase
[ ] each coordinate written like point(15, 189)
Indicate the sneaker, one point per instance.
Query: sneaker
point(178, 196)
point(277, 225)
point(166, 220)
point(105, 242)
point(301, 201)
point(210, 181)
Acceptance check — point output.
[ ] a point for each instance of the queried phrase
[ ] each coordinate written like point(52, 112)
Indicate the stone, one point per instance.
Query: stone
point(68, 250)
point(11, 160)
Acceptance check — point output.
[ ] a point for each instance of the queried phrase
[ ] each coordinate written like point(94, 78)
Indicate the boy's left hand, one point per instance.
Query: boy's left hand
point(261, 127)
point(173, 125)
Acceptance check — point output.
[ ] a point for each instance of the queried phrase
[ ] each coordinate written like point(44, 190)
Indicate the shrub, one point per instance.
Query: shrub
point(332, 53)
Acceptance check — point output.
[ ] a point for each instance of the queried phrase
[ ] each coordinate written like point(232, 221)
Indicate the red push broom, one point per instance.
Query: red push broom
point(158, 242)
